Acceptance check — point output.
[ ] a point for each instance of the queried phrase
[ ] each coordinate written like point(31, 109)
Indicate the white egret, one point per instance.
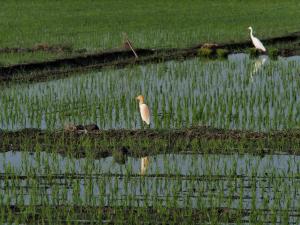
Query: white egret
point(256, 42)
point(144, 110)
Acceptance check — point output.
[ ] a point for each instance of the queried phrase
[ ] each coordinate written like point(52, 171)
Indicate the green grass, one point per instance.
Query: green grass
point(11, 58)
point(98, 25)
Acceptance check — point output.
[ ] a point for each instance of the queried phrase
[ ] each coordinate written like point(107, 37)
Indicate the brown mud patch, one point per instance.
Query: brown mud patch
point(138, 143)
point(119, 58)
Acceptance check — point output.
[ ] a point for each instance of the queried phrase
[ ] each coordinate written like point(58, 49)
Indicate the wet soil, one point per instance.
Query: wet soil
point(112, 215)
point(137, 143)
point(143, 215)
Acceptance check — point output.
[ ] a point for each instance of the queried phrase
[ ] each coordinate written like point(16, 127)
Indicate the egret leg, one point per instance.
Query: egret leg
point(147, 126)
point(143, 125)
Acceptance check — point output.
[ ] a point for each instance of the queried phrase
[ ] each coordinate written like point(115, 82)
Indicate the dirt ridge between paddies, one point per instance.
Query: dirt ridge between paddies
point(119, 58)
point(150, 214)
point(142, 142)
point(126, 214)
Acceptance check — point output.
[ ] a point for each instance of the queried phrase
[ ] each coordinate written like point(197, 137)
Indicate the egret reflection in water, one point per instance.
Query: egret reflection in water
point(144, 164)
point(258, 64)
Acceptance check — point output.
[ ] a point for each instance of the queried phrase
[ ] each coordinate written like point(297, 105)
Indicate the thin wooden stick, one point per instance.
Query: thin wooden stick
point(128, 42)
point(130, 45)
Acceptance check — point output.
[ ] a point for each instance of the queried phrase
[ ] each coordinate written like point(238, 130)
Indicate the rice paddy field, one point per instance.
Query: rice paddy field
point(98, 25)
point(54, 182)
point(223, 145)
point(238, 93)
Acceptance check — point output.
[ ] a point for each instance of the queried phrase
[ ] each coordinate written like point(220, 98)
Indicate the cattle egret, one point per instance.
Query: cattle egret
point(256, 42)
point(144, 110)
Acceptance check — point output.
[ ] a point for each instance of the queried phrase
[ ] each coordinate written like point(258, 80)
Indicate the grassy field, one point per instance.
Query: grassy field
point(98, 25)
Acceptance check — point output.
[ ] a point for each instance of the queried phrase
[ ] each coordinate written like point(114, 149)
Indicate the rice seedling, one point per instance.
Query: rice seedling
point(224, 188)
point(62, 177)
point(214, 93)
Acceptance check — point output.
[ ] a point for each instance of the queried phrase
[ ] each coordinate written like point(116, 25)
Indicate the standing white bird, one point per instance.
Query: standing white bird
point(256, 42)
point(144, 110)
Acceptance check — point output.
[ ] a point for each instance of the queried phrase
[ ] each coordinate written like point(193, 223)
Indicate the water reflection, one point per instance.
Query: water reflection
point(185, 93)
point(144, 164)
point(183, 164)
point(258, 64)
point(183, 179)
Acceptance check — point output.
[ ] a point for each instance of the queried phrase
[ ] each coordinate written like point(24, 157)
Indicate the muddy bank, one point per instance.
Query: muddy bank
point(134, 215)
point(120, 58)
point(140, 143)
point(207, 178)
point(122, 215)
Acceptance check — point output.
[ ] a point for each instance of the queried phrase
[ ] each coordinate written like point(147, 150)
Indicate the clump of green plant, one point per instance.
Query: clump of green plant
point(222, 53)
point(120, 156)
point(253, 52)
point(206, 52)
point(273, 53)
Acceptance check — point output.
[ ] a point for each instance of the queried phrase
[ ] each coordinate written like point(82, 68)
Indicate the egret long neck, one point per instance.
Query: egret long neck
point(251, 34)
point(141, 101)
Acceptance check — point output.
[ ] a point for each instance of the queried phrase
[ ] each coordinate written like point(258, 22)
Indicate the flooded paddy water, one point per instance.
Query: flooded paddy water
point(240, 93)
point(258, 185)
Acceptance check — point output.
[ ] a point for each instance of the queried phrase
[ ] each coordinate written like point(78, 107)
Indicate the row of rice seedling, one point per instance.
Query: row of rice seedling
point(232, 94)
point(250, 188)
